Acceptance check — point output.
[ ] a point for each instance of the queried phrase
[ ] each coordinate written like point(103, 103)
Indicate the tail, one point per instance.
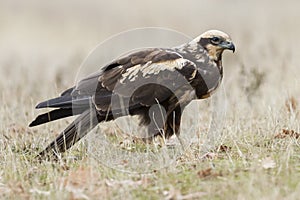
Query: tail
point(55, 115)
point(66, 107)
point(65, 102)
point(51, 116)
point(73, 133)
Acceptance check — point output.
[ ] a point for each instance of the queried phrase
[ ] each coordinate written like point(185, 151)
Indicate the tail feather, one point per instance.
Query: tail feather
point(51, 116)
point(55, 115)
point(73, 133)
point(68, 92)
point(65, 102)
point(59, 102)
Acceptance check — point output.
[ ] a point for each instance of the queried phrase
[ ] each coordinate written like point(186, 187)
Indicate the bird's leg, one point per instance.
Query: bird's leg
point(172, 125)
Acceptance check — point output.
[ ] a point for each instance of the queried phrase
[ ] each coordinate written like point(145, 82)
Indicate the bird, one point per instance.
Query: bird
point(133, 83)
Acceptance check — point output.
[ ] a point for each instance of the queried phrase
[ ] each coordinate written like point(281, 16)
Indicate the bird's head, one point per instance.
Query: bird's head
point(215, 42)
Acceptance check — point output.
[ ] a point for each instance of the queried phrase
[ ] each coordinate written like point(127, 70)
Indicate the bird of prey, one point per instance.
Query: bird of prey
point(132, 84)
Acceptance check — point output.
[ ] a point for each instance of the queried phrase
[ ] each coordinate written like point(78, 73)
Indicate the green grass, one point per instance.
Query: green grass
point(252, 167)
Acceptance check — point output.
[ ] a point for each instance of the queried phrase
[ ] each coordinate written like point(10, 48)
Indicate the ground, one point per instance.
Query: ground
point(255, 154)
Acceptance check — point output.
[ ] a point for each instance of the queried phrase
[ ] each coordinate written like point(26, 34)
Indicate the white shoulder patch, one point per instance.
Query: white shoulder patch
point(153, 68)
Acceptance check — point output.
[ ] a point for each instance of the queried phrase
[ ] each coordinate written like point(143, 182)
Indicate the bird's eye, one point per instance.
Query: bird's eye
point(215, 40)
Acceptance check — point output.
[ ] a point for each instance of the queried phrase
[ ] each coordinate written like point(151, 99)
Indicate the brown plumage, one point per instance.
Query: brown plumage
point(170, 77)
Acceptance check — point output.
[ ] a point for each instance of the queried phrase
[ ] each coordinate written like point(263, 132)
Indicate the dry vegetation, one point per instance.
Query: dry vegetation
point(257, 155)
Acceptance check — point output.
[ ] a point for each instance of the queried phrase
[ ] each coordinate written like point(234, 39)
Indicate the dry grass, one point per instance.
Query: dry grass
point(257, 156)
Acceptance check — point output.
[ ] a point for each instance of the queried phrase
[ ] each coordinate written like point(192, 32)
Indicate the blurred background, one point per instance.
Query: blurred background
point(42, 45)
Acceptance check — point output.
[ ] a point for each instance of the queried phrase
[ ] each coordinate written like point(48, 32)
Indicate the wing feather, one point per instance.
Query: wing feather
point(140, 79)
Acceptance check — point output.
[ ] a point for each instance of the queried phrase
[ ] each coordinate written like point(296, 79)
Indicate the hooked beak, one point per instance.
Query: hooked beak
point(228, 45)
